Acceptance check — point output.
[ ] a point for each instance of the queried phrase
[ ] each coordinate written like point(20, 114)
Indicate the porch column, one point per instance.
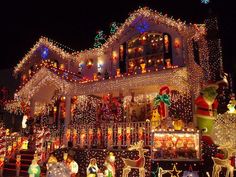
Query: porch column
point(32, 108)
point(67, 118)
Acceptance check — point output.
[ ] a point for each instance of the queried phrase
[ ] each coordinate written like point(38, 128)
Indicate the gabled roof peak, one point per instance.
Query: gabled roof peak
point(44, 41)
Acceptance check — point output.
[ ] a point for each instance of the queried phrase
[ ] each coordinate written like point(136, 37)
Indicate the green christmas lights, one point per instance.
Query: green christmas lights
point(113, 28)
point(100, 39)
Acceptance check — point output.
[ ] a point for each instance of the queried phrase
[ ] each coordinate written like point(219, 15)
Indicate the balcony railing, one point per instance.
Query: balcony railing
point(111, 135)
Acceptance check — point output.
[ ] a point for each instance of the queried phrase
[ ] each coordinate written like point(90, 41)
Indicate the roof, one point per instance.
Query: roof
point(45, 81)
point(52, 45)
point(180, 26)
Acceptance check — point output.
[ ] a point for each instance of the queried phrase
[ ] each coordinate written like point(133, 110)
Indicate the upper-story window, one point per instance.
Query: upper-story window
point(153, 49)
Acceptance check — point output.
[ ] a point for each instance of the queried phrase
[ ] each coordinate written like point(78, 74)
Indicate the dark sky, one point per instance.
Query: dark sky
point(74, 23)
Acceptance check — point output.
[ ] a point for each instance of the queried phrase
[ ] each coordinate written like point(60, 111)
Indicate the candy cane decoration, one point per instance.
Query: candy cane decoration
point(47, 134)
point(40, 140)
point(2, 141)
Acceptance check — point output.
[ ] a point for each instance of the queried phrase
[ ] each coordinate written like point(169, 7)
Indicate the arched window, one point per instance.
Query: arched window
point(167, 50)
point(153, 49)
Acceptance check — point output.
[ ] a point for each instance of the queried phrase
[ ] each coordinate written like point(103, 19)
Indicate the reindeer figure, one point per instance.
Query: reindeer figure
point(224, 163)
point(136, 164)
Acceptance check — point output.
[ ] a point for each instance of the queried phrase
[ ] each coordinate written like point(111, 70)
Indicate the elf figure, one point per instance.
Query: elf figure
point(73, 166)
point(34, 169)
point(110, 164)
point(155, 121)
point(206, 108)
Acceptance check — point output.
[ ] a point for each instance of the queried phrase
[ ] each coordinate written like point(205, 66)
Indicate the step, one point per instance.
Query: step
point(27, 151)
point(12, 172)
point(27, 155)
point(13, 164)
point(8, 169)
point(23, 161)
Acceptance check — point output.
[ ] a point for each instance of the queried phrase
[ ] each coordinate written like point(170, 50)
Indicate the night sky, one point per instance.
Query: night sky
point(74, 23)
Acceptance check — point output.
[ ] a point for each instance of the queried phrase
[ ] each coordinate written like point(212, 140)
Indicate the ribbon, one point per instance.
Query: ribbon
point(162, 98)
point(140, 162)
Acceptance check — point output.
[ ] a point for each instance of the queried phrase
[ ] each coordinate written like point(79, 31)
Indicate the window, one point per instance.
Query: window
point(153, 49)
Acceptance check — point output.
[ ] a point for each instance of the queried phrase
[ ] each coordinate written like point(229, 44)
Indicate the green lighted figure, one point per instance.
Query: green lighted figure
point(34, 169)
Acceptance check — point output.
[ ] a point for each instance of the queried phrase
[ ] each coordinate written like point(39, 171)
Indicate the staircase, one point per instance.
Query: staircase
point(26, 159)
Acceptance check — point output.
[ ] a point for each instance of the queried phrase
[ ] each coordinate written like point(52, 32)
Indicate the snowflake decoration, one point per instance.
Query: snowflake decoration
point(44, 52)
point(205, 1)
point(142, 26)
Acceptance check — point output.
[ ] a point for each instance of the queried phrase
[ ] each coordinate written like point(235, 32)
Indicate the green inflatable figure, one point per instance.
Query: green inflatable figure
point(206, 108)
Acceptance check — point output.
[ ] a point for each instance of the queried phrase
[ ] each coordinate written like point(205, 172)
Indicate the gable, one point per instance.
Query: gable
point(43, 49)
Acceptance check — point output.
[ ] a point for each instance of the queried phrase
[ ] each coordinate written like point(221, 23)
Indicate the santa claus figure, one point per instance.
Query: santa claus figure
point(206, 108)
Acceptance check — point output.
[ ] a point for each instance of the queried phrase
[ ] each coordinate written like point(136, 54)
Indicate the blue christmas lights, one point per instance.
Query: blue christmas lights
point(142, 26)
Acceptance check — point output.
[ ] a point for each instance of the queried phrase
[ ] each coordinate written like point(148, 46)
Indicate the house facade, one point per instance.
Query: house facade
point(150, 54)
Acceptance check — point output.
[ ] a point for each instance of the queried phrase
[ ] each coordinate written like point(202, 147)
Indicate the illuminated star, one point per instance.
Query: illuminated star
point(174, 172)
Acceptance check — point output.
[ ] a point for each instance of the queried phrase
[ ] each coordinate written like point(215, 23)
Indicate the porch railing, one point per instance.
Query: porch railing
point(110, 134)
